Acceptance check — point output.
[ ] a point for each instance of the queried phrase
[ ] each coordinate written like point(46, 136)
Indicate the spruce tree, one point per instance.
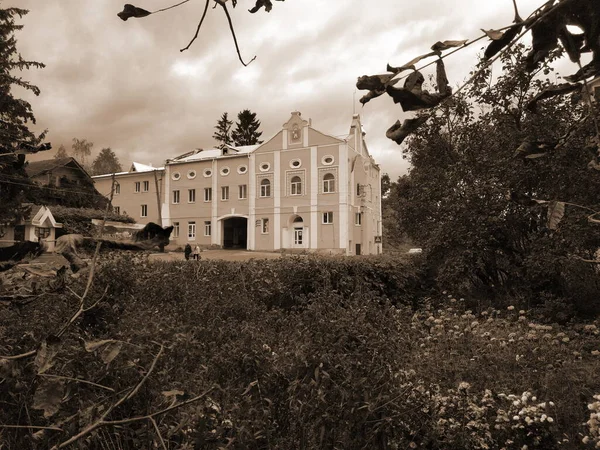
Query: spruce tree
point(16, 139)
point(106, 162)
point(246, 130)
point(223, 131)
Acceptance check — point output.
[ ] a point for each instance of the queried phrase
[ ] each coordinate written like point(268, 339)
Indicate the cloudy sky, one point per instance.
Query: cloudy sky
point(126, 85)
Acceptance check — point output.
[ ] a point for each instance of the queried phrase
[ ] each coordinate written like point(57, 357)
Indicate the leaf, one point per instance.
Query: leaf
point(95, 345)
point(552, 91)
point(556, 211)
point(130, 11)
point(494, 35)
point(111, 351)
point(399, 131)
point(48, 396)
point(445, 45)
point(411, 63)
point(262, 3)
point(250, 386)
point(172, 393)
point(498, 44)
point(44, 359)
point(536, 155)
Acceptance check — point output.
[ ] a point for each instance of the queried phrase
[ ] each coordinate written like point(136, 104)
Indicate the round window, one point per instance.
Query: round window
point(191, 174)
point(295, 163)
point(242, 169)
point(225, 171)
point(327, 160)
point(264, 167)
point(176, 176)
point(207, 173)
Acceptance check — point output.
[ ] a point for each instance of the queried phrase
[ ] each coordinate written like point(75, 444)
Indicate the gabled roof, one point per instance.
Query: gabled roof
point(35, 168)
point(212, 153)
point(137, 167)
point(38, 215)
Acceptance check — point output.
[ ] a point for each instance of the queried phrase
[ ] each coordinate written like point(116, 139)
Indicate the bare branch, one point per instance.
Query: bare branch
point(237, 48)
point(160, 438)
point(78, 380)
point(197, 29)
point(170, 7)
point(33, 427)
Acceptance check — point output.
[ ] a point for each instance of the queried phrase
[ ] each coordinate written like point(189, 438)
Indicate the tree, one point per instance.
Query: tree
point(16, 139)
point(246, 130)
point(223, 131)
point(82, 149)
point(106, 162)
point(61, 152)
point(385, 184)
point(473, 198)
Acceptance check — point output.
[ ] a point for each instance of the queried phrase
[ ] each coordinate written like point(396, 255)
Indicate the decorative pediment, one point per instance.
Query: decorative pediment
point(295, 128)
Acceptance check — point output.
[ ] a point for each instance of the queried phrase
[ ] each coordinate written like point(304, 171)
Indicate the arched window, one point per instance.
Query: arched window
point(265, 188)
point(296, 186)
point(328, 183)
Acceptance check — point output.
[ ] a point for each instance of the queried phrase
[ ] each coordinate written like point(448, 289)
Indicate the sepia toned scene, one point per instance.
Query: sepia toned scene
point(298, 224)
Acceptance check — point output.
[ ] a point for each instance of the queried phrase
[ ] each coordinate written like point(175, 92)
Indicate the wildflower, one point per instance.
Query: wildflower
point(511, 308)
point(595, 352)
point(550, 419)
point(586, 439)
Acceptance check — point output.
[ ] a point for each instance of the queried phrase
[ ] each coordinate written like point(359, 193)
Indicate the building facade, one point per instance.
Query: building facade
point(301, 190)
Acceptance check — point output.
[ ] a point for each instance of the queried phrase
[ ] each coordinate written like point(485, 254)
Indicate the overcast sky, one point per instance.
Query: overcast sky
point(126, 85)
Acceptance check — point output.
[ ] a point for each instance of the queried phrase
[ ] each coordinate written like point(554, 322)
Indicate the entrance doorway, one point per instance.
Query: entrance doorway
point(235, 233)
point(297, 228)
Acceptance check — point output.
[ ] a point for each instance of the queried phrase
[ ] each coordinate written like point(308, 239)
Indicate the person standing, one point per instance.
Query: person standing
point(197, 252)
point(187, 251)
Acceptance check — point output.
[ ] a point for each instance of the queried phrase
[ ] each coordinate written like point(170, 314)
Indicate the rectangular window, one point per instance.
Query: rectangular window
point(242, 191)
point(146, 186)
point(192, 230)
point(207, 228)
point(117, 188)
point(208, 194)
point(358, 219)
point(42, 233)
point(296, 186)
point(224, 192)
point(176, 197)
point(144, 211)
point(117, 210)
point(265, 226)
point(175, 232)
point(191, 195)
point(328, 217)
point(137, 186)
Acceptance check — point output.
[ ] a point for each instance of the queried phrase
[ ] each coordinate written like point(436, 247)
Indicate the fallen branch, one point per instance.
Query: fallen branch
point(78, 380)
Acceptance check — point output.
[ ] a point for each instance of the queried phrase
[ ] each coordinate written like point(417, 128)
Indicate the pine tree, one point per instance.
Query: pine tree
point(16, 139)
point(246, 130)
point(223, 131)
point(106, 162)
point(61, 152)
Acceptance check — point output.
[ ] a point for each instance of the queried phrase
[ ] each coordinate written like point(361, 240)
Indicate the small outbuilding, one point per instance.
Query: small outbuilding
point(36, 225)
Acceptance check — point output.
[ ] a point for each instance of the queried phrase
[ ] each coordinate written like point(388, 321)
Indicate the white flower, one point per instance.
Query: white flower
point(511, 308)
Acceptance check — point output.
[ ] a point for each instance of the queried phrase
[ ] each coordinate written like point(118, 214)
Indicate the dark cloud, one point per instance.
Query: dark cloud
point(126, 85)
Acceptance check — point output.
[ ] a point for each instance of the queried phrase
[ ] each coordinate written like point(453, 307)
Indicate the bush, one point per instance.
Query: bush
point(354, 356)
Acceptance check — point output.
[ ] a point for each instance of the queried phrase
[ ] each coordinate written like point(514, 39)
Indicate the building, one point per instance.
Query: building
point(301, 190)
point(59, 172)
point(37, 224)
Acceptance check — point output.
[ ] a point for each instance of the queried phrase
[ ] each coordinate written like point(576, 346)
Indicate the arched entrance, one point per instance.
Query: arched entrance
point(235, 233)
point(297, 233)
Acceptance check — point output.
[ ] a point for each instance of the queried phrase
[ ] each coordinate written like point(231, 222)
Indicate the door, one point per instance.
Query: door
point(358, 249)
point(20, 233)
point(298, 237)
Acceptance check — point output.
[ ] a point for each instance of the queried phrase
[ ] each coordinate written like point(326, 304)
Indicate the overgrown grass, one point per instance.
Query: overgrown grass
point(303, 352)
